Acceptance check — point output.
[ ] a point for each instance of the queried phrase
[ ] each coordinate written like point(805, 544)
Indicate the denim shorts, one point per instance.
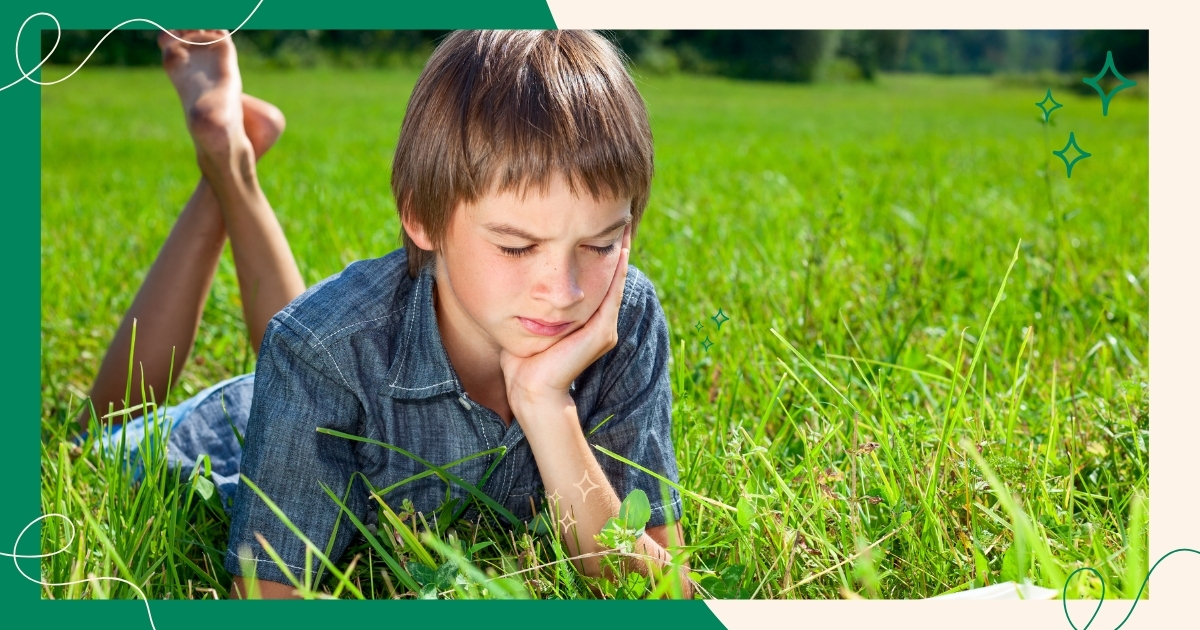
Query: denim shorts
point(210, 423)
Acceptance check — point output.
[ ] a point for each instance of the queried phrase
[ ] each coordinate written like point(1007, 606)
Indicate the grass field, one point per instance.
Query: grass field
point(889, 411)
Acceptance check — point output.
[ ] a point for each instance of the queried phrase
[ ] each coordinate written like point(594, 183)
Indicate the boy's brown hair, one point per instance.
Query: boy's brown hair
point(497, 111)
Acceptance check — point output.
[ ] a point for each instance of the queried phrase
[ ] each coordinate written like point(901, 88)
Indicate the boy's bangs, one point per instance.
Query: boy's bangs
point(507, 111)
point(559, 110)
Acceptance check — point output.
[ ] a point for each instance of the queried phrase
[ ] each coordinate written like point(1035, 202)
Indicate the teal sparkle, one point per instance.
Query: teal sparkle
point(699, 326)
point(722, 319)
point(1042, 106)
point(1062, 153)
point(706, 343)
point(1095, 83)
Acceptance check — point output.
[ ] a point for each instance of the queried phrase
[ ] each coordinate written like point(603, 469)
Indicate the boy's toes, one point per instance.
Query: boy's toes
point(207, 36)
point(174, 45)
point(173, 53)
point(164, 38)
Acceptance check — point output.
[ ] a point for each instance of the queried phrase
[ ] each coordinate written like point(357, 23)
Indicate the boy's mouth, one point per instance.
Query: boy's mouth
point(545, 329)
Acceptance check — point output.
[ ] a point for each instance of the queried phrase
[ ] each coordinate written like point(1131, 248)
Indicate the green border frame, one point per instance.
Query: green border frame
point(20, 174)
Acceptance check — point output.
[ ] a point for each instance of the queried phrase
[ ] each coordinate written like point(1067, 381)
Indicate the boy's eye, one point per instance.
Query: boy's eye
point(516, 252)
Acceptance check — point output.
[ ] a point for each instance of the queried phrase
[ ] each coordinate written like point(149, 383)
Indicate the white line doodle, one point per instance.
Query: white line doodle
point(58, 36)
point(15, 556)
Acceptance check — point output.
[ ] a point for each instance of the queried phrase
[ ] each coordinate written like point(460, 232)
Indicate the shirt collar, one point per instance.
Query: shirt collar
point(420, 368)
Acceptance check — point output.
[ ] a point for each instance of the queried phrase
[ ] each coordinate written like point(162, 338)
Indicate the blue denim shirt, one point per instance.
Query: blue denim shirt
point(360, 353)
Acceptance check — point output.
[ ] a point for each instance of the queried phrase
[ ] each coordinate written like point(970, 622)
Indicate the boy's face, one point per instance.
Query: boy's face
point(520, 274)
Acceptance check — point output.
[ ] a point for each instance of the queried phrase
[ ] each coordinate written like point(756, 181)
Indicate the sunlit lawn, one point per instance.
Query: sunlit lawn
point(856, 236)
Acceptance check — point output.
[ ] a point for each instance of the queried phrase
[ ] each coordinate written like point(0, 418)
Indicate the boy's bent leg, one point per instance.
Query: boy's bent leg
point(209, 85)
point(167, 309)
point(170, 302)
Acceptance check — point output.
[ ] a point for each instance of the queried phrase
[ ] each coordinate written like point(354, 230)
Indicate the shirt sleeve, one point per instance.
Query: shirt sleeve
point(636, 391)
point(294, 394)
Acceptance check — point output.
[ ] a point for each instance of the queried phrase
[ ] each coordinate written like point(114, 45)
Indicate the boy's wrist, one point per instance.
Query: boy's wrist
point(532, 406)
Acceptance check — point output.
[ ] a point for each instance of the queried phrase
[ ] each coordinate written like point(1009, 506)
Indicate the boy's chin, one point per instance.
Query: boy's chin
point(526, 346)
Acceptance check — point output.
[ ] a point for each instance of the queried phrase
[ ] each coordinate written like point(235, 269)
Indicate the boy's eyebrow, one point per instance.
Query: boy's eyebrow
point(509, 230)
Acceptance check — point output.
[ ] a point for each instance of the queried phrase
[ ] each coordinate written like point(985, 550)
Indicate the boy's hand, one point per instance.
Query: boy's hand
point(546, 377)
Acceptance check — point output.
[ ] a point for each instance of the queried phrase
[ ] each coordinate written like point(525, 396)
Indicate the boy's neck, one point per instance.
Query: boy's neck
point(476, 363)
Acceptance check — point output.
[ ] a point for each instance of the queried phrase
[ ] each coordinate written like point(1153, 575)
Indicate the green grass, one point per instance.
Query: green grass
point(861, 239)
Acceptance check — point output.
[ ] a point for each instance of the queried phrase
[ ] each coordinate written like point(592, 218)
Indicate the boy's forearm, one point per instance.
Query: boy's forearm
point(571, 474)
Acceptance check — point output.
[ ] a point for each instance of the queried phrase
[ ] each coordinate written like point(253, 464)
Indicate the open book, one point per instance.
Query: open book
point(1003, 590)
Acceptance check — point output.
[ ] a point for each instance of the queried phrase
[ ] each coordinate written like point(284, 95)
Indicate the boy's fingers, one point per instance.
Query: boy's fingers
point(618, 290)
point(610, 307)
point(165, 37)
point(607, 313)
point(622, 269)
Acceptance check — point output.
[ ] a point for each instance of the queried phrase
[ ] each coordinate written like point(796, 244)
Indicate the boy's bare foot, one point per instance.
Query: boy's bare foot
point(209, 84)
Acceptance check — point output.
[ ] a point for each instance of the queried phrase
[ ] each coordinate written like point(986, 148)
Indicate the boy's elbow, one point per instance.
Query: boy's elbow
point(266, 590)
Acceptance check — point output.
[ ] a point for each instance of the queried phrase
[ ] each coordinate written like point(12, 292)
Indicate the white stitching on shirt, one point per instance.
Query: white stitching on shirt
point(323, 347)
point(365, 321)
point(415, 389)
point(272, 563)
point(474, 413)
point(659, 508)
point(511, 467)
point(633, 296)
point(407, 335)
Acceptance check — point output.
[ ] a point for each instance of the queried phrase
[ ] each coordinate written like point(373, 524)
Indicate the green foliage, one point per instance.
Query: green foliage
point(796, 55)
point(620, 533)
point(868, 226)
point(728, 585)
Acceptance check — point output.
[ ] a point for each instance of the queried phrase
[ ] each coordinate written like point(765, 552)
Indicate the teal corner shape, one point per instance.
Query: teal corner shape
point(1042, 106)
point(1062, 154)
point(1095, 83)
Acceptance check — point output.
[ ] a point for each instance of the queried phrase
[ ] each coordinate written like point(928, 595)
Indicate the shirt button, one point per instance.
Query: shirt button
point(463, 400)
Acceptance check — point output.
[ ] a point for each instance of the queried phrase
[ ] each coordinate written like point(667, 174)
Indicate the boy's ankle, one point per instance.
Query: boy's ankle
point(213, 127)
point(222, 147)
point(227, 161)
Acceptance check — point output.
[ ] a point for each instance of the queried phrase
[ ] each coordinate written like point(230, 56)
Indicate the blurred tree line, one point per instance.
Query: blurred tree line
point(776, 55)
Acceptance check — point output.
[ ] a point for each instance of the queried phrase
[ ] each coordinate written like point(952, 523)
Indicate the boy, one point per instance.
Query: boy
point(510, 317)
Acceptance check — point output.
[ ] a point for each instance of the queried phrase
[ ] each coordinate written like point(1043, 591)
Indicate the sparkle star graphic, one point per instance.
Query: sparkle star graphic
point(567, 521)
point(699, 326)
point(706, 343)
point(1063, 154)
point(1095, 82)
point(554, 500)
point(592, 485)
point(722, 318)
point(1042, 106)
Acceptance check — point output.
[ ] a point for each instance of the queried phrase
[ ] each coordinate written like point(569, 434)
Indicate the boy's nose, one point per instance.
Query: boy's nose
point(559, 284)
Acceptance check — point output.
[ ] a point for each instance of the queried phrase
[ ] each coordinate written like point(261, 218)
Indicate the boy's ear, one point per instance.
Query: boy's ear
point(416, 233)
